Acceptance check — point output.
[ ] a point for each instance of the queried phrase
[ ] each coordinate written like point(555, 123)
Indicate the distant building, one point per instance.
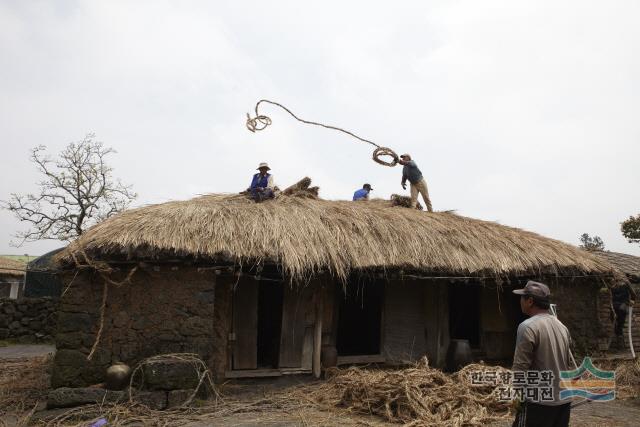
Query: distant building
point(41, 280)
point(11, 278)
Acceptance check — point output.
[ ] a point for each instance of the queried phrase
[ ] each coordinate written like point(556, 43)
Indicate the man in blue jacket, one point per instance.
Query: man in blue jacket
point(262, 185)
point(363, 193)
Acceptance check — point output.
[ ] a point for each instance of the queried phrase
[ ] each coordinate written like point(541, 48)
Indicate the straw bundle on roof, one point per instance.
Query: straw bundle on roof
point(306, 235)
point(404, 201)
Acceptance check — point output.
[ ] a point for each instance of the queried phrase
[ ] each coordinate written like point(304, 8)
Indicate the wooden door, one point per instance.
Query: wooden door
point(297, 319)
point(245, 324)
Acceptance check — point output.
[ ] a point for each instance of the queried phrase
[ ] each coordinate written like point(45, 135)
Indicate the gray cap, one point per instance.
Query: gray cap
point(534, 289)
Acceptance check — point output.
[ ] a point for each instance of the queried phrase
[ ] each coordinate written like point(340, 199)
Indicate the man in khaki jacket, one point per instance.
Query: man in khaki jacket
point(542, 345)
point(411, 172)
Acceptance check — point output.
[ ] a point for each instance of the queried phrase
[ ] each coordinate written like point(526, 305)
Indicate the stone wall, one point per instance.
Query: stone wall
point(584, 307)
point(162, 310)
point(28, 320)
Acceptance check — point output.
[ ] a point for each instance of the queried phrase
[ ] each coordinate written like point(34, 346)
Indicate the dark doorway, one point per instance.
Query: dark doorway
point(464, 313)
point(269, 323)
point(257, 316)
point(360, 319)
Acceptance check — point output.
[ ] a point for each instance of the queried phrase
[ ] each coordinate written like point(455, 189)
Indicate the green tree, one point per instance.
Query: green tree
point(631, 229)
point(77, 190)
point(589, 243)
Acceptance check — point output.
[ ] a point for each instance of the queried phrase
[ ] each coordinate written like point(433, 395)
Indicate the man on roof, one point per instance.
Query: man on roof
point(363, 193)
point(262, 186)
point(411, 172)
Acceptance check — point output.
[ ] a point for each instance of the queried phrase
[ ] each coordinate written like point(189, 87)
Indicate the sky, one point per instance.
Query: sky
point(520, 112)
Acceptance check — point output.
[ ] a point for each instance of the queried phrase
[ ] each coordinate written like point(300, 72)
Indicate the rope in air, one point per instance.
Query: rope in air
point(260, 122)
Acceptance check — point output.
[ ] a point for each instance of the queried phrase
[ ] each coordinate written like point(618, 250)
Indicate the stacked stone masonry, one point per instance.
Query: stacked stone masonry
point(28, 320)
point(585, 308)
point(169, 310)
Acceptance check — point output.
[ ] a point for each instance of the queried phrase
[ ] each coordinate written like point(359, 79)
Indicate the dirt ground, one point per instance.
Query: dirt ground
point(20, 351)
point(617, 413)
point(23, 387)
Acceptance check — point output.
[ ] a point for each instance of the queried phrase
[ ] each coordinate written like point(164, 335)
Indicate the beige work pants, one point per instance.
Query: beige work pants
point(420, 187)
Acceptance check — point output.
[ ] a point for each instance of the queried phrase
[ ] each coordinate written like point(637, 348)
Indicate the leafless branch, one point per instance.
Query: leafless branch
point(77, 191)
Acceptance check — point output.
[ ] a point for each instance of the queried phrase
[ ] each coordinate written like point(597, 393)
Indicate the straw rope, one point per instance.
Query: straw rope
point(261, 121)
point(200, 367)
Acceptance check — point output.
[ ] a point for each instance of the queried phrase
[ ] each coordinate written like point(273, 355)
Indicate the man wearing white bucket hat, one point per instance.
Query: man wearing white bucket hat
point(262, 185)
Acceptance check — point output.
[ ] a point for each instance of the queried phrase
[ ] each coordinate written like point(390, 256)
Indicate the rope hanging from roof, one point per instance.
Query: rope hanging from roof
point(260, 122)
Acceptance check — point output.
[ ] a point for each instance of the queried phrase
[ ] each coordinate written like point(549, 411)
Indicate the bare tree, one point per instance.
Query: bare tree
point(77, 191)
point(589, 243)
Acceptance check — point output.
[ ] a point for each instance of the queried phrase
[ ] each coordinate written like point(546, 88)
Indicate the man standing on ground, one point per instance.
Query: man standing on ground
point(262, 185)
point(363, 193)
point(542, 345)
point(411, 172)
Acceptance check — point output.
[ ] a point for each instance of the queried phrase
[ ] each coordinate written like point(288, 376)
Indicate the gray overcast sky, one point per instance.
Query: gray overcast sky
point(522, 112)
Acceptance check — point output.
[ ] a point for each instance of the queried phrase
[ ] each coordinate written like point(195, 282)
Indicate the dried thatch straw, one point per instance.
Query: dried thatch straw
point(628, 379)
point(307, 235)
point(404, 201)
point(10, 267)
point(302, 188)
point(415, 396)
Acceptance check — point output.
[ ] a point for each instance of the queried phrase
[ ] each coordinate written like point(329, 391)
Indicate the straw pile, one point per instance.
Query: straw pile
point(415, 396)
point(306, 235)
point(628, 379)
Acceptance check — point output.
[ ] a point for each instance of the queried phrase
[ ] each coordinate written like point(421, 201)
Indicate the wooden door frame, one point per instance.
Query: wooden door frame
point(231, 372)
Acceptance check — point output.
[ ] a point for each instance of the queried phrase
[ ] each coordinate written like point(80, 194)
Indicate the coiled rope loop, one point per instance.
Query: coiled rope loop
point(260, 122)
point(379, 152)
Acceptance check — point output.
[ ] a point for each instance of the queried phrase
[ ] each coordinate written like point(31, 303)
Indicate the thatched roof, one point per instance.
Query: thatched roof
point(9, 267)
point(628, 264)
point(306, 235)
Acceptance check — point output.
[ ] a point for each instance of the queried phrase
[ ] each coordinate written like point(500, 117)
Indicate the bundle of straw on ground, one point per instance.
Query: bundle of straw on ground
point(628, 379)
point(415, 396)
